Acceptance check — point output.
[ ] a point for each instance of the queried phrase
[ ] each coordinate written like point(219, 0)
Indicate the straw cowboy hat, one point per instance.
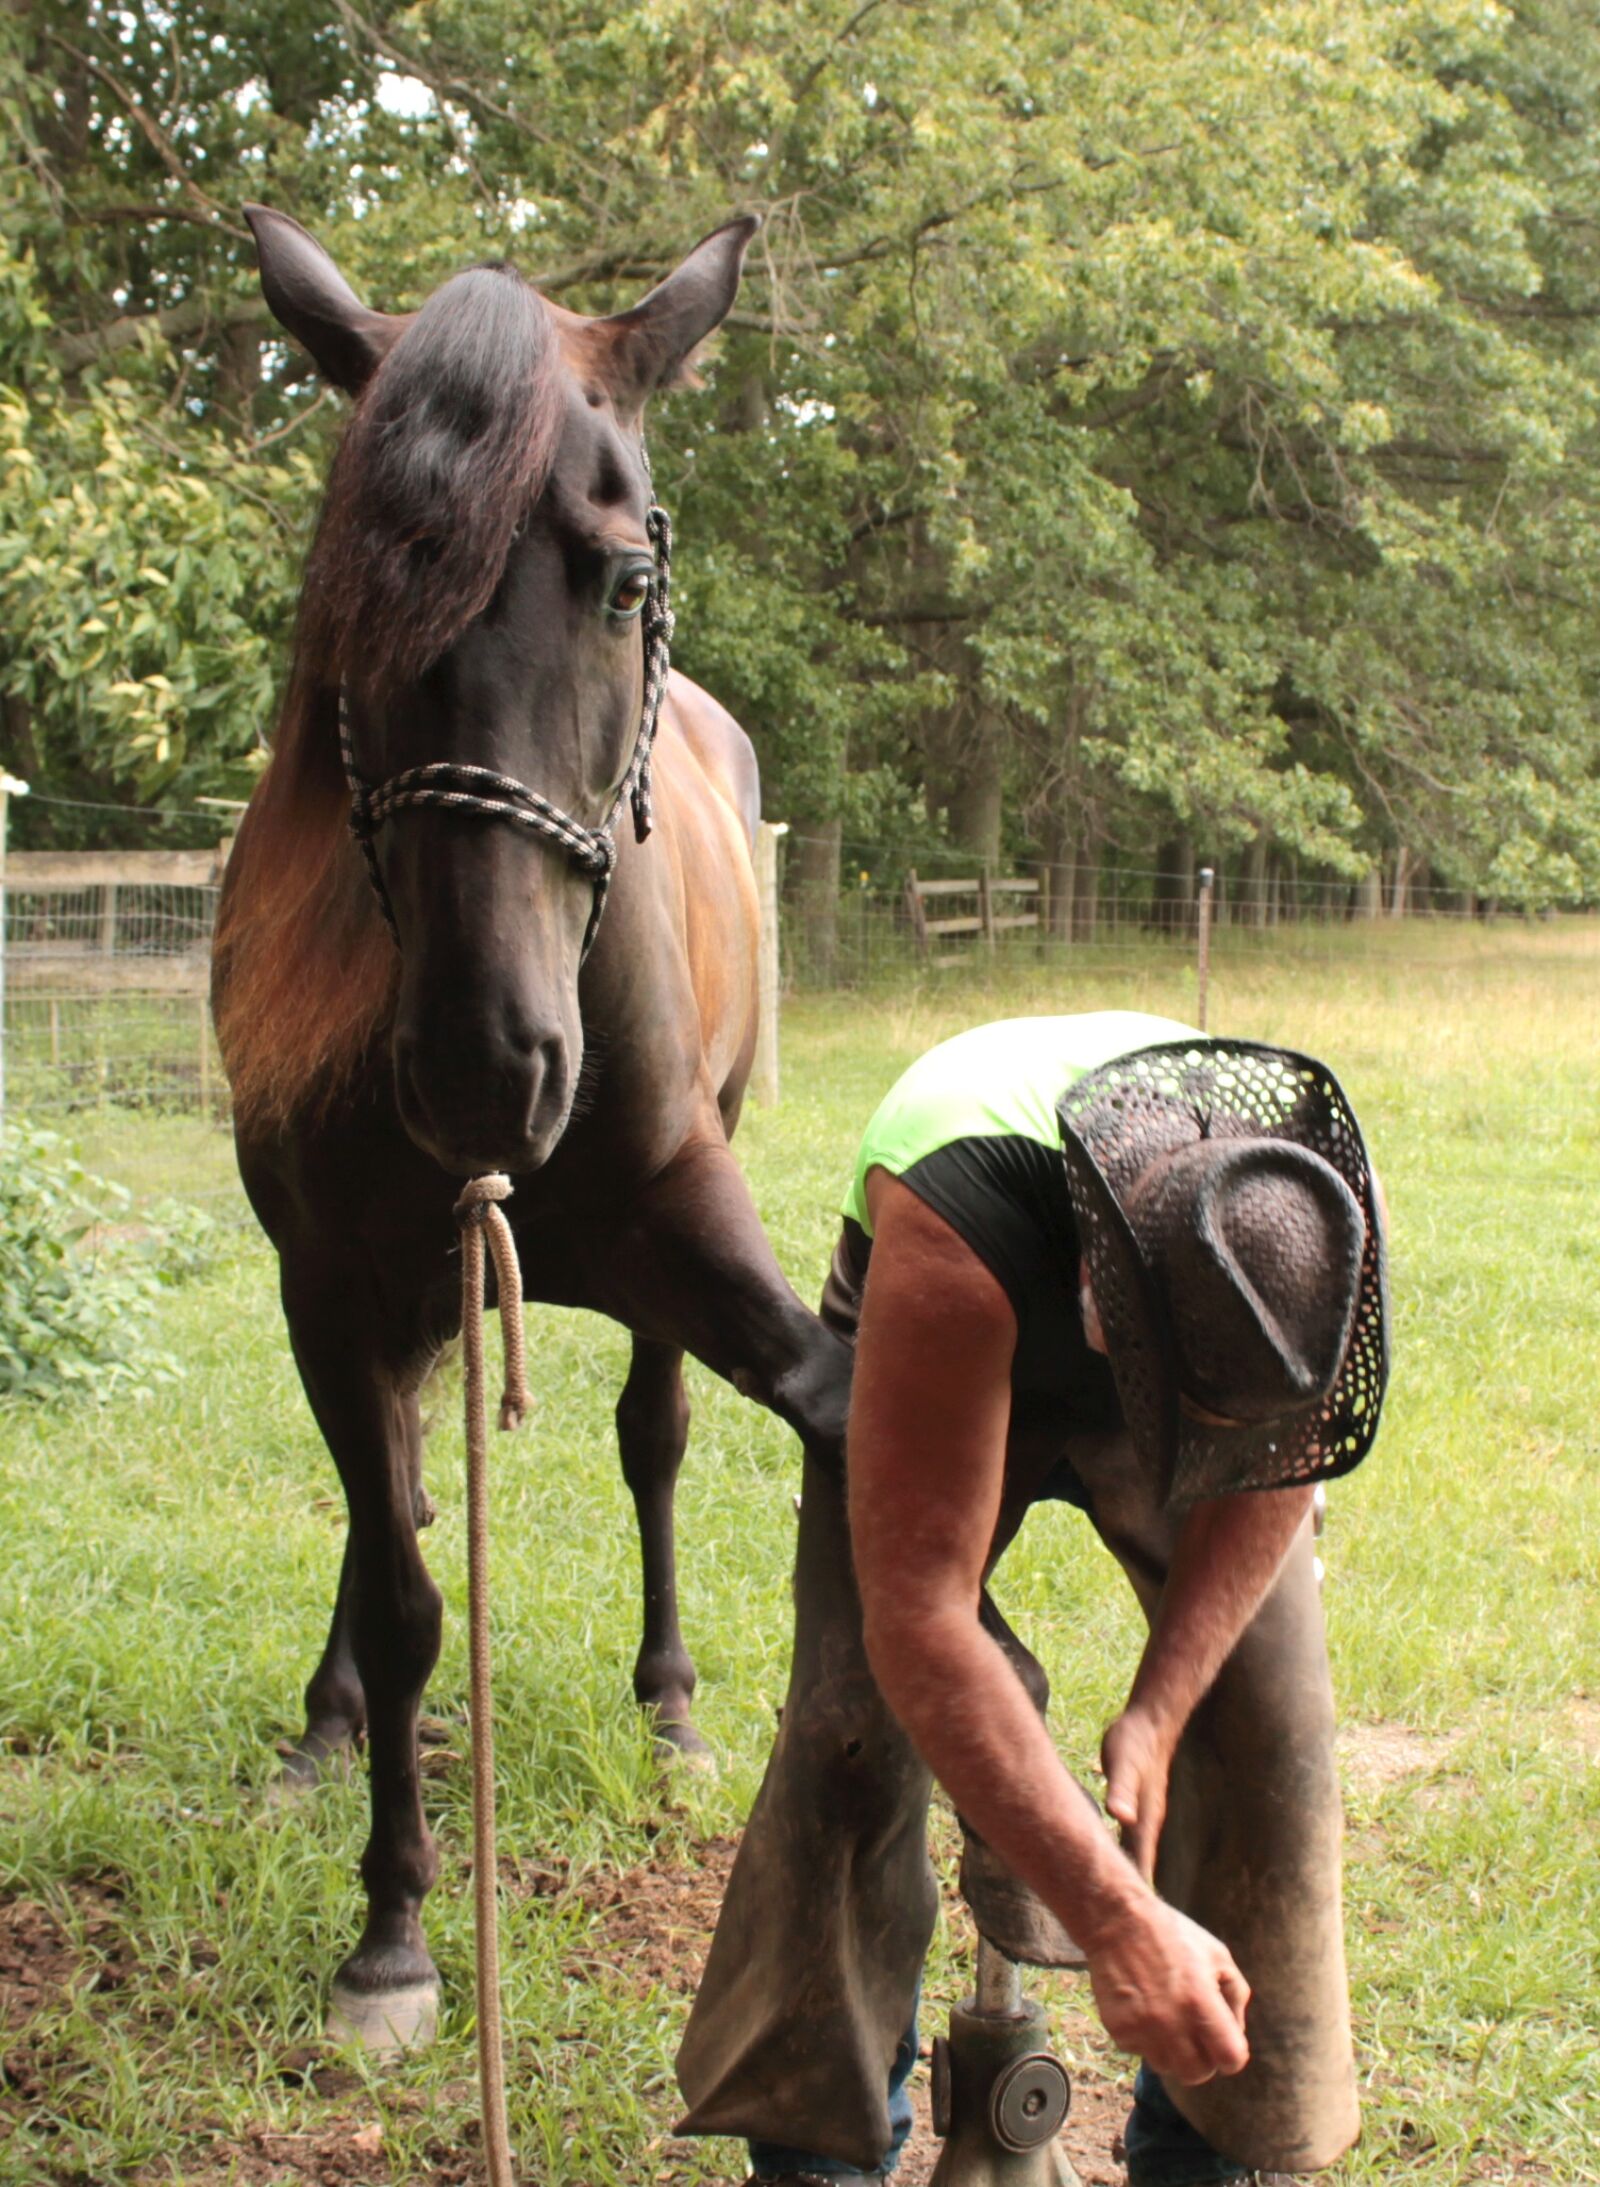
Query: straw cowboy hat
point(1235, 1246)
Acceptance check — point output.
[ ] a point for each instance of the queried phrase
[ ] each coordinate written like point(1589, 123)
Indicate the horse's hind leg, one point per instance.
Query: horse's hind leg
point(652, 1429)
point(336, 1706)
point(386, 1993)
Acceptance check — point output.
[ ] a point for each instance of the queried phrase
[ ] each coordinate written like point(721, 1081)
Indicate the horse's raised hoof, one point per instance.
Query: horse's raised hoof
point(384, 2023)
point(679, 1746)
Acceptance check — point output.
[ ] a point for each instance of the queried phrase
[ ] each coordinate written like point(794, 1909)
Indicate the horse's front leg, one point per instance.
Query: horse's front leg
point(652, 1430)
point(386, 1993)
point(692, 1266)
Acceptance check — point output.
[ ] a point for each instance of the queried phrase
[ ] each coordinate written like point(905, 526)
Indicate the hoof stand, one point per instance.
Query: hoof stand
point(999, 2098)
point(384, 2023)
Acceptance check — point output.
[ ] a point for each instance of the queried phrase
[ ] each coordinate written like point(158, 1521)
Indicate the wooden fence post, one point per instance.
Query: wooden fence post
point(1203, 968)
point(918, 917)
point(764, 1068)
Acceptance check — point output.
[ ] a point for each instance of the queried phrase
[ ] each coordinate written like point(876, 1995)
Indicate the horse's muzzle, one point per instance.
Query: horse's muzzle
point(484, 1099)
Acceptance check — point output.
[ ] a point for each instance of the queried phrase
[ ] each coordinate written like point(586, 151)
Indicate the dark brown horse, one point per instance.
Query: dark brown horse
point(474, 601)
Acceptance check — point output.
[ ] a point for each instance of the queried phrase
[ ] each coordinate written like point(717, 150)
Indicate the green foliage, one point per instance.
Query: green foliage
point(1135, 424)
point(77, 1282)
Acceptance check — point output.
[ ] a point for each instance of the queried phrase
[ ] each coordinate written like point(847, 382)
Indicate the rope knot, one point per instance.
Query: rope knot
point(479, 1194)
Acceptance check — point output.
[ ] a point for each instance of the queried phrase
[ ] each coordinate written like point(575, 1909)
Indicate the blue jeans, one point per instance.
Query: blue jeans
point(1162, 2148)
point(770, 2160)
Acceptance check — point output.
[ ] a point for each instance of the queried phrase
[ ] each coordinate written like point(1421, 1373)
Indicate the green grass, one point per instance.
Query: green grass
point(169, 1567)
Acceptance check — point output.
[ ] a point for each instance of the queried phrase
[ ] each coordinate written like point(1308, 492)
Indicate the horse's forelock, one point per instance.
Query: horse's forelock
point(451, 441)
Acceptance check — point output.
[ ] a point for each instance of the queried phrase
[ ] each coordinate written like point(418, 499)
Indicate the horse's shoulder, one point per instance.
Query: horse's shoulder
point(719, 744)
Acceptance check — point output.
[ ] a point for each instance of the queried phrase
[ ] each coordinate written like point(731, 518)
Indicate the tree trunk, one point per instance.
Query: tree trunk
point(1369, 894)
point(812, 886)
point(1056, 910)
point(975, 794)
point(1400, 882)
point(1253, 906)
point(1285, 879)
point(238, 373)
point(63, 123)
point(1086, 884)
point(1064, 804)
point(19, 751)
point(1174, 886)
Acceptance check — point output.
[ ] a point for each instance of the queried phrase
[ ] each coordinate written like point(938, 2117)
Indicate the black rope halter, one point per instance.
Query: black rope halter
point(479, 790)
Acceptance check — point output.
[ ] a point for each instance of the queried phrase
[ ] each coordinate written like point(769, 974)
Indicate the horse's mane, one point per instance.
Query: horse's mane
point(447, 449)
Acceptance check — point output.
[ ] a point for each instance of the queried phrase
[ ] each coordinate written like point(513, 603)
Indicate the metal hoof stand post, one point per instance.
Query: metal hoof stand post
point(999, 2097)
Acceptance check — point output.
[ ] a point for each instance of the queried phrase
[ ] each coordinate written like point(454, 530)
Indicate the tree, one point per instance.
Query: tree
point(1135, 427)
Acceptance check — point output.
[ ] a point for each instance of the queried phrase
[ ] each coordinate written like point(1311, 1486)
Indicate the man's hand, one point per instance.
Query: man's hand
point(1136, 1756)
point(1170, 1993)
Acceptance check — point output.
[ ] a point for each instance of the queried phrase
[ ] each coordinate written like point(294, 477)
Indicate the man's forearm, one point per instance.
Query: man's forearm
point(965, 1710)
point(1229, 1552)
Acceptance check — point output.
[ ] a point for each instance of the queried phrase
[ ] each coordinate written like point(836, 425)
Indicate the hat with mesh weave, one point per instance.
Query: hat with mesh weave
point(1235, 1245)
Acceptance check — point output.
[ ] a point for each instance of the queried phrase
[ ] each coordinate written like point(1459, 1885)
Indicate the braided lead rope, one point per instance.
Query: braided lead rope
point(462, 787)
point(477, 1214)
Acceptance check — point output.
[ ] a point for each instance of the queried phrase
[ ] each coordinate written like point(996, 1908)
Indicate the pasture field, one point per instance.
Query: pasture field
point(166, 1939)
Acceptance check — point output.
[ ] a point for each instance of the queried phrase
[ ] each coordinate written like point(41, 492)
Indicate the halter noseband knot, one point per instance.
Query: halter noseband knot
point(459, 787)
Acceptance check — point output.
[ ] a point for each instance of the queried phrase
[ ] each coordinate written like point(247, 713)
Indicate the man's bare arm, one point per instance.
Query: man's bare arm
point(1229, 1551)
point(929, 1415)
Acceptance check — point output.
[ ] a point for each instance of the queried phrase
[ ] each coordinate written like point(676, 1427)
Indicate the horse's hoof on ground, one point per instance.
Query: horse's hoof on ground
point(680, 1746)
point(306, 1765)
point(384, 2023)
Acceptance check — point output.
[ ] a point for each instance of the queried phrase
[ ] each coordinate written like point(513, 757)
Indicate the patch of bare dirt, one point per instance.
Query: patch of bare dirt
point(1372, 1757)
point(41, 1969)
point(654, 1925)
point(1582, 1723)
point(39, 1964)
point(341, 2152)
point(44, 1969)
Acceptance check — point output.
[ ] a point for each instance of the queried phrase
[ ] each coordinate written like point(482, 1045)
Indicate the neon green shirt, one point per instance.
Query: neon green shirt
point(997, 1081)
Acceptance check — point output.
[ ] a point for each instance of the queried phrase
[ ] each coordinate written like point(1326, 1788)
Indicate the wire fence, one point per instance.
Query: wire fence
point(106, 984)
point(106, 1031)
point(853, 915)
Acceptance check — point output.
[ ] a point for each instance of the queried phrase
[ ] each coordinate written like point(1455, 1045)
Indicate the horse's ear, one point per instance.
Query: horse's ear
point(311, 298)
point(650, 346)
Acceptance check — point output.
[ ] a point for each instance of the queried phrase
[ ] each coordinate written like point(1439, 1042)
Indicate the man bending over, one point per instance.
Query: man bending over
point(1105, 1260)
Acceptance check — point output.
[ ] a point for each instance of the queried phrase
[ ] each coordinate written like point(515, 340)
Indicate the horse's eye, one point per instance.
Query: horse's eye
point(629, 593)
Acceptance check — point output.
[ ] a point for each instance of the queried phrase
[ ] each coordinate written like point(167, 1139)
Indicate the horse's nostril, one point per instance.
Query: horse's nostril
point(549, 1078)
